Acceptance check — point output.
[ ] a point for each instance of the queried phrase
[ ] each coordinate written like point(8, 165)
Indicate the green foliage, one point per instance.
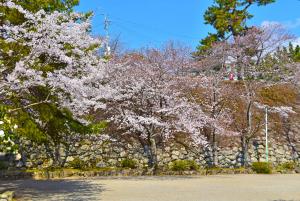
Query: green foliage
point(297, 54)
point(275, 66)
point(294, 52)
point(48, 5)
point(55, 124)
point(287, 166)
point(229, 18)
point(7, 132)
point(128, 163)
point(184, 165)
point(262, 167)
point(46, 122)
point(205, 44)
point(96, 128)
point(56, 120)
point(14, 17)
point(77, 163)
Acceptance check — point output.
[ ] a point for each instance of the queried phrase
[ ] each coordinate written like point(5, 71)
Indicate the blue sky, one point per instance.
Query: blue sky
point(141, 23)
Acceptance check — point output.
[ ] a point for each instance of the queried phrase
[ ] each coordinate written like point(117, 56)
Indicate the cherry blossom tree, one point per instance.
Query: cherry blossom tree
point(62, 57)
point(215, 94)
point(248, 52)
point(250, 49)
point(150, 105)
point(58, 70)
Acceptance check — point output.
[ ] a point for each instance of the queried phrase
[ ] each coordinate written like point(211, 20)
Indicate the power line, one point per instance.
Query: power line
point(132, 30)
point(147, 28)
point(155, 29)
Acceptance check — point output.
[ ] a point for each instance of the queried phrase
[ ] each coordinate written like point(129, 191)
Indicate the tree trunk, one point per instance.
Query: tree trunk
point(153, 154)
point(56, 159)
point(214, 141)
point(66, 155)
point(247, 133)
point(245, 154)
point(287, 128)
point(59, 155)
point(214, 150)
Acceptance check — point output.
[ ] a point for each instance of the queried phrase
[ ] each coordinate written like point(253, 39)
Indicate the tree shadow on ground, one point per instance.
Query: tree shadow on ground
point(53, 190)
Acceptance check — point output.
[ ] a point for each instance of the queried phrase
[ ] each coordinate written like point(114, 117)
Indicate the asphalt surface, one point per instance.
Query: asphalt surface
point(202, 188)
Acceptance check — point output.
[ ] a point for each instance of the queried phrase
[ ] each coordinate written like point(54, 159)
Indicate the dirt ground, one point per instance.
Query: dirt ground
point(202, 188)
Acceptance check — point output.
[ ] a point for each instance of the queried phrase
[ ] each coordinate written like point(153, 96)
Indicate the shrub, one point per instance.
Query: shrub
point(193, 165)
point(262, 167)
point(128, 163)
point(288, 165)
point(77, 163)
point(184, 165)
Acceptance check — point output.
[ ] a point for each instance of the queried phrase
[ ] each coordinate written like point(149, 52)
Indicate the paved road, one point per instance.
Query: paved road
point(209, 188)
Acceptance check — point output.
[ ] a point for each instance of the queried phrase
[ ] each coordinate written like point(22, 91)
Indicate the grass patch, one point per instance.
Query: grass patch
point(184, 165)
point(262, 167)
point(128, 163)
point(286, 167)
point(77, 163)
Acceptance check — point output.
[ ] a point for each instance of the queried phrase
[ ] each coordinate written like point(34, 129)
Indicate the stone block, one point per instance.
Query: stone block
point(19, 164)
point(29, 164)
point(101, 164)
point(123, 154)
point(7, 196)
point(70, 159)
point(18, 157)
point(85, 147)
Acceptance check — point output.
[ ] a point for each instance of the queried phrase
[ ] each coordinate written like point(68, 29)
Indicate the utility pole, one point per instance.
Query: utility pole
point(266, 123)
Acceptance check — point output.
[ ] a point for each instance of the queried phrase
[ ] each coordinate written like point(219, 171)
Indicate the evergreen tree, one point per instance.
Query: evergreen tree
point(295, 52)
point(229, 18)
point(47, 122)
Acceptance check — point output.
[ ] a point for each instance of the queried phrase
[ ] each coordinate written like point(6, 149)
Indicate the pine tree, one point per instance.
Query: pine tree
point(229, 18)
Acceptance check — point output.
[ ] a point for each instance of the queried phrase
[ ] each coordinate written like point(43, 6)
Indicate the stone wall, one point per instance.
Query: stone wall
point(110, 154)
point(95, 154)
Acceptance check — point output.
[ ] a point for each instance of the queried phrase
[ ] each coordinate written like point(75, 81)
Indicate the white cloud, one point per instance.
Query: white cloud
point(269, 23)
point(286, 25)
point(296, 42)
point(292, 24)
